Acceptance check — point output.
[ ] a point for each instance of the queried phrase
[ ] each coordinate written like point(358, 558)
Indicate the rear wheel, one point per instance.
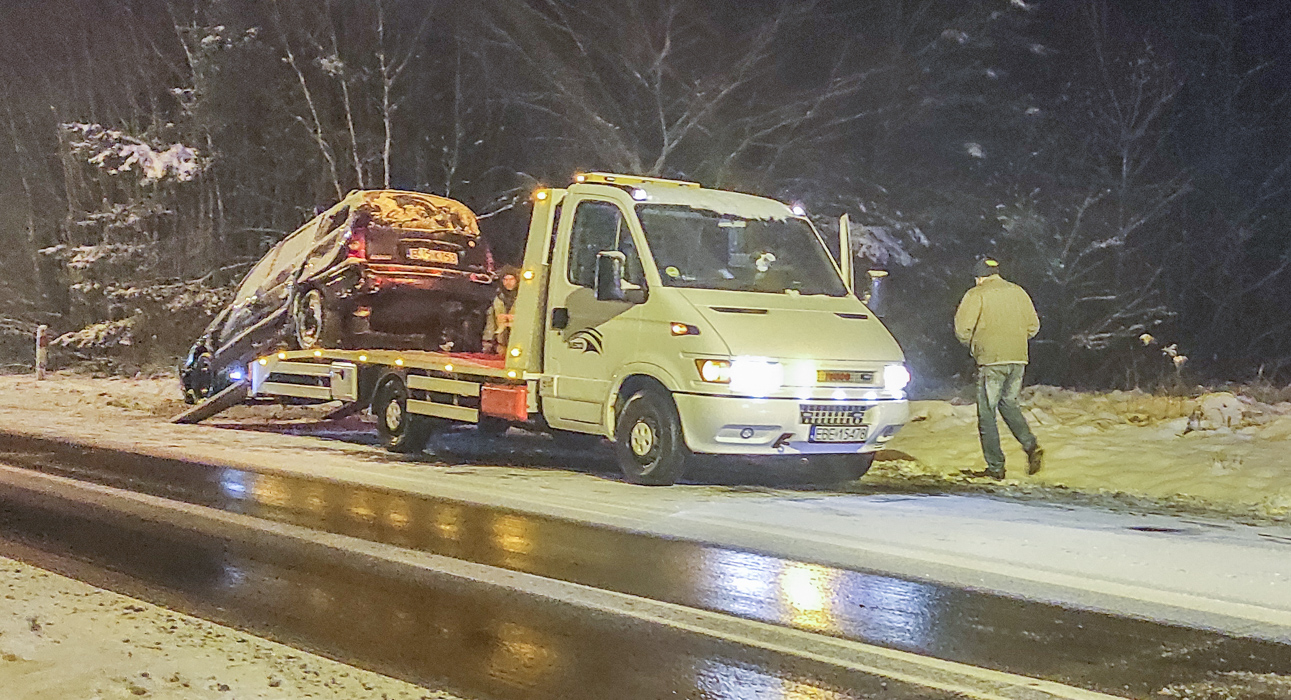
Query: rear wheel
point(400, 430)
point(648, 440)
point(314, 324)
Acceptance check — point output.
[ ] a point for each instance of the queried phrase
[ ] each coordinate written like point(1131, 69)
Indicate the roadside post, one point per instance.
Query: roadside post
point(42, 350)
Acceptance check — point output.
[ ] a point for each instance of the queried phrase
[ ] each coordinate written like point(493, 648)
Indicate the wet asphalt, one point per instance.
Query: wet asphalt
point(288, 595)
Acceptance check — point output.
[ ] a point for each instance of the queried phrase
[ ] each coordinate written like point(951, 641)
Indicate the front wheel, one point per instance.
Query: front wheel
point(648, 440)
point(400, 430)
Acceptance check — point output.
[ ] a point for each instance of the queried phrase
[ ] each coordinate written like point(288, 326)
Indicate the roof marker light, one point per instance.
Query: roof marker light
point(448, 368)
point(318, 353)
point(540, 195)
point(512, 374)
point(527, 274)
point(282, 356)
point(798, 209)
point(580, 178)
point(640, 195)
point(399, 362)
point(263, 362)
point(363, 358)
point(515, 352)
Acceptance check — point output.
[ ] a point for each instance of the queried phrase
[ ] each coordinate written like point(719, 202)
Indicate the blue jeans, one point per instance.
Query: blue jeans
point(998, 387)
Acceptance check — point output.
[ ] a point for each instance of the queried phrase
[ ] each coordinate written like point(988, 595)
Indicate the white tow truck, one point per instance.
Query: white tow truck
point(672, 319)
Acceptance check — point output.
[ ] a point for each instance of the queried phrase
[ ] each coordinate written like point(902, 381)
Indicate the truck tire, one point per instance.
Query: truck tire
point(843, 468)
point(313, 324)
point(648, 440)
point(400, 430)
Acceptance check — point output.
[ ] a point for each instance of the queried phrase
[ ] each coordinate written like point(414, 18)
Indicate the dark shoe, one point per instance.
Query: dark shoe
point(1035, 459)
point(997, 474)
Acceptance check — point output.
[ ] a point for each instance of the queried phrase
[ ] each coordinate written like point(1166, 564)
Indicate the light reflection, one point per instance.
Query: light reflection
point(448, 522)
point(875, 609)
point(233, 483)
point(522, 657)
point(270, 490)
point(399, 514)
point(720, 680)
point(808, 591)
point(360, 507)
point(511, 533)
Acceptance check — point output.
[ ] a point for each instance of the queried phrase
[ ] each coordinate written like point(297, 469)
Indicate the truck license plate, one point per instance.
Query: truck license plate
point(838, 433)
point(430, 255)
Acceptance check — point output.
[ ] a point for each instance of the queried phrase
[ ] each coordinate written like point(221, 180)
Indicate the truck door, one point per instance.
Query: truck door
point(587, 340)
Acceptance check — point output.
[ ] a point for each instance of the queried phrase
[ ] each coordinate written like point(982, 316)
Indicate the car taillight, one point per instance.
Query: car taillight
point(356, 244)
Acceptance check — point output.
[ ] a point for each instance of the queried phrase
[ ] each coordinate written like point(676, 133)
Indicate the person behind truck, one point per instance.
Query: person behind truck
point(995, 320)
point(497, 327)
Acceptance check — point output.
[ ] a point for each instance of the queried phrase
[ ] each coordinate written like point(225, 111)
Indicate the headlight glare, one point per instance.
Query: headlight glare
point(895, 377)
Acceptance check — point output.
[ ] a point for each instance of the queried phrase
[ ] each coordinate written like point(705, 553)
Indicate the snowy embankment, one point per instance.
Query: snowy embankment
point(1223, 452)
point(1220, 451)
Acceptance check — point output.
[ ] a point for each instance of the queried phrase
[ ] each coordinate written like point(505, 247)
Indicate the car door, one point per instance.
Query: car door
point(588, 340)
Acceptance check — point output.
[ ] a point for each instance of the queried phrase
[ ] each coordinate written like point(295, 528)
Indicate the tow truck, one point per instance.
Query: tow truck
point(672, 319)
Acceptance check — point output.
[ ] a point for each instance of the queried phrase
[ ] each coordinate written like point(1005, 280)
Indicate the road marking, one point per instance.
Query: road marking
point(905, 667)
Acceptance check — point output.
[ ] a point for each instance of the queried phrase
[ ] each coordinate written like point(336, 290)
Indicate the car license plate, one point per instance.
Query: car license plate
point(838, 433)
point(430, 255)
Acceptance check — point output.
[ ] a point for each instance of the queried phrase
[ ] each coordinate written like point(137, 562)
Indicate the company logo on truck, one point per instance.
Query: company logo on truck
point(586, 340)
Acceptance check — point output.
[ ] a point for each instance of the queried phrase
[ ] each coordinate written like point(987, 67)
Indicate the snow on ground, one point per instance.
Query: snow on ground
point(1120, 448)
point(1158, 448)
point(60, 638)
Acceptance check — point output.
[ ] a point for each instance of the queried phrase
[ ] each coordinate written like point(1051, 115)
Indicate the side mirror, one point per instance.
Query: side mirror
point(609, 279)
point(874, 292)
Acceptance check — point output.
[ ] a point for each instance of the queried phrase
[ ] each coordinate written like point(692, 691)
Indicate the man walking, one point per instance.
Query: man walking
point(995, 320)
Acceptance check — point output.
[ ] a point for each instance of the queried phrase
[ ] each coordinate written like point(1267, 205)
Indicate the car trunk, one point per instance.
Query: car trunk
point(446, 249)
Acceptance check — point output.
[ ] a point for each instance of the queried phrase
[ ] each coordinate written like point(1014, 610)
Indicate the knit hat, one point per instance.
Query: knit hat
point(986, 267)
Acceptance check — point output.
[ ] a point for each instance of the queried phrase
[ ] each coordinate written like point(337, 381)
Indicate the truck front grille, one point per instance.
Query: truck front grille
point(832, 413)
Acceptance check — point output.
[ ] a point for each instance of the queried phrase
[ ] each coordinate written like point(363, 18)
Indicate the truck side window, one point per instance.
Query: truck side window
point(596, 228)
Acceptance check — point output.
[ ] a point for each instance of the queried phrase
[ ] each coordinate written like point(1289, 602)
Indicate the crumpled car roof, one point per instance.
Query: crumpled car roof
point(418, 211)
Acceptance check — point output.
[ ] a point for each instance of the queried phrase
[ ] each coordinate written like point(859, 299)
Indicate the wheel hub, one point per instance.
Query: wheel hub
point(641, 439)
point(394, 416)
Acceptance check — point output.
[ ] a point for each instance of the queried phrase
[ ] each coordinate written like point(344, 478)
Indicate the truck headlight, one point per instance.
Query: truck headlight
point(753, 376)
point(895, 377)
point(714, 371)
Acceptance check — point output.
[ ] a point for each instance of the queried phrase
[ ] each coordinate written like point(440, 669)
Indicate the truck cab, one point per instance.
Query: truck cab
point(679, 320)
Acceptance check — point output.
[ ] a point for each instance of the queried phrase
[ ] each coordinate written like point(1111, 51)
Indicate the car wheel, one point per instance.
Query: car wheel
point(648, 440)
point(314, 324)
point(400, 430)
point(843, 468)
point(198, 379)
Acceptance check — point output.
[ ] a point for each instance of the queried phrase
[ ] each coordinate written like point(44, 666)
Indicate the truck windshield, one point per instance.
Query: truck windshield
point(705, 249)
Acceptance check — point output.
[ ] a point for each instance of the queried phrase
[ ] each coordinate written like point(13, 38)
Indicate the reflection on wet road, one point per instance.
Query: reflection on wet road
point(1081, 648)
point(438, 632)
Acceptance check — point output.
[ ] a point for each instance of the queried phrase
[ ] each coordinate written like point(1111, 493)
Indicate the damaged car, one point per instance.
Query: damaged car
point(380, 269)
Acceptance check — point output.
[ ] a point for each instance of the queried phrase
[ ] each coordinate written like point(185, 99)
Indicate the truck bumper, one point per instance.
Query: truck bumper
point(743, 426)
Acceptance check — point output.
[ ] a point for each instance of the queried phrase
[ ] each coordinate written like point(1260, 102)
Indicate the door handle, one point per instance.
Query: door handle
point(559, 318)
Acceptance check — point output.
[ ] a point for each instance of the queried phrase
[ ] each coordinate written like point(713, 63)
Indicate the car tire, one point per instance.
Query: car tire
point(648, 440)
point(840, 469)
point(314, 325)
point(199, 379)
point(400, 431)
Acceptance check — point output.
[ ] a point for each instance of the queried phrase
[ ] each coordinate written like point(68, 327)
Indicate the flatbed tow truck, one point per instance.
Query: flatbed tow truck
point(672, 319)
